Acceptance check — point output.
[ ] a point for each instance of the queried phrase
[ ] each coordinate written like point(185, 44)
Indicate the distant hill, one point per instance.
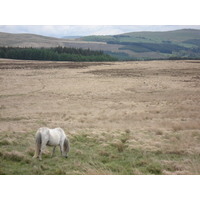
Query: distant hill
point(184, 43)
point(176, 36)
point(38, 41)
point(27, 40)
point(72, 37)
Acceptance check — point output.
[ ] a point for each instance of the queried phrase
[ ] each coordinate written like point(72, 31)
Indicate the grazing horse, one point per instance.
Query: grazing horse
point(51, 137)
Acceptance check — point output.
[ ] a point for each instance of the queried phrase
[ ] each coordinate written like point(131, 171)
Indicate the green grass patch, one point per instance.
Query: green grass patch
point(90, 153)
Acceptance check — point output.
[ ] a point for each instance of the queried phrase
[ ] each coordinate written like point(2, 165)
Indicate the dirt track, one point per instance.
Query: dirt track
point(158, 95)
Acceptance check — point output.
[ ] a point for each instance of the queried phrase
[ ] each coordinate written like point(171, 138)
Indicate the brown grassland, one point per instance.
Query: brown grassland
point(121, 117)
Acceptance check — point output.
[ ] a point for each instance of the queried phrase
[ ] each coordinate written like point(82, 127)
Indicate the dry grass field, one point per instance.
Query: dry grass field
point(121, 117)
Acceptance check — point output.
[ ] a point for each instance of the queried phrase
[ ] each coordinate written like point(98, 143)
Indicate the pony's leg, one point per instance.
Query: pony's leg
point(61, 150)
point(41, 151)
point(54, 148)
point(37, 150)
point(35, 155)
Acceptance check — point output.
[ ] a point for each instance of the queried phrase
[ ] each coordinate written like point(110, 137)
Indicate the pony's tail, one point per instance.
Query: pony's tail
point(38, 141)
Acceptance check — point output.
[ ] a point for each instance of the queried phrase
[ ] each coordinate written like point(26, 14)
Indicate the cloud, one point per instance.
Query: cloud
point(83, 30)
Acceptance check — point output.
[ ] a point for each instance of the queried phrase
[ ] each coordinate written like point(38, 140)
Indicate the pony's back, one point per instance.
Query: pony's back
point(60, 130)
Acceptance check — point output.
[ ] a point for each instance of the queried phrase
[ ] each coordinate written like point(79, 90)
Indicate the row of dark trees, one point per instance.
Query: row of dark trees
point(54, 54)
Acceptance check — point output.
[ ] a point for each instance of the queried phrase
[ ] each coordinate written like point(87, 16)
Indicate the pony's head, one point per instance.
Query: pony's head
point(66, 147)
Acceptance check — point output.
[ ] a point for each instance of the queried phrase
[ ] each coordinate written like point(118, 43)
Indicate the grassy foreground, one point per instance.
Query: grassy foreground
point(94, 153)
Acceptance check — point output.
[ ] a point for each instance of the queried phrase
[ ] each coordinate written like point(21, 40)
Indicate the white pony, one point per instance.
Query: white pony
point(51, 137)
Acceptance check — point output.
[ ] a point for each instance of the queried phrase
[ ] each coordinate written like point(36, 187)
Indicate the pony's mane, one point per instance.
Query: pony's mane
point(66, 145)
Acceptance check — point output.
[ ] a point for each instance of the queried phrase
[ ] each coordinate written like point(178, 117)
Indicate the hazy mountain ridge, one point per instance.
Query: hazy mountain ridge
point(150, 36)
point(184, 43)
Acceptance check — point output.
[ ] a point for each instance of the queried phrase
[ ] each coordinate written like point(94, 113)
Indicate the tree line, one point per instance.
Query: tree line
point(55, 54)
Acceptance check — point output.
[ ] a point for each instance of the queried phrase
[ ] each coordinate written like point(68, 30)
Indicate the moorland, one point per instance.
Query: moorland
point(137, 117)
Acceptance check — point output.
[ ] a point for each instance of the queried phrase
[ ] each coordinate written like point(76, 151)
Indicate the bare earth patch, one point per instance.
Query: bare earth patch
point(151, 107)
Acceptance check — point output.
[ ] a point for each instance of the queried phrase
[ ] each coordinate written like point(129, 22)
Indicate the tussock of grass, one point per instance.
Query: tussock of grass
point(59, 171)
point(30, 151)
point(14, 156)
point(37, 170)
point(185, 125)
point(79, 152)
point(5, 142)
point(118, 144)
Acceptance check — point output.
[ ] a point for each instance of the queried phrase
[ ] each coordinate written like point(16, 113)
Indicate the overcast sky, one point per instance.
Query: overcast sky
point(80, 18)
point(82, 30)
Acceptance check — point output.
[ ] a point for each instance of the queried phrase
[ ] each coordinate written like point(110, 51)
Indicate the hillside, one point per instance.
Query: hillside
point(27, 40)
point(168, 44)
point(183, 43)
point(176, 36)
point(38, 41)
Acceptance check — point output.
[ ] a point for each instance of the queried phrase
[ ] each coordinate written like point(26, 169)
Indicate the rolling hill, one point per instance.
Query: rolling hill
point(176, 36)
point(182, 44)
point(38, 41)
